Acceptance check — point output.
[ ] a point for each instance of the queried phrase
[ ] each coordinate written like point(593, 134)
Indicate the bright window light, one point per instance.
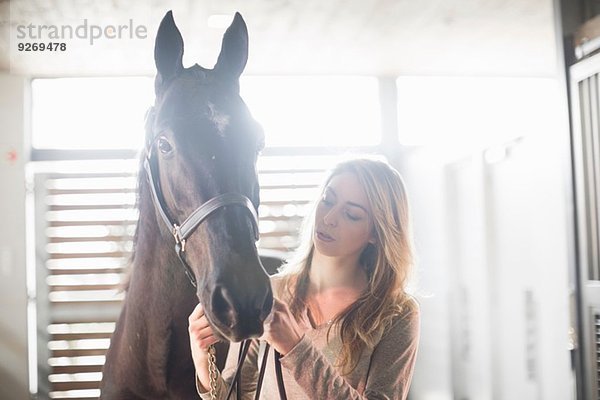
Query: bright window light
point(108, 113)
point(473, 112)
point(90, 113)
point(220, 21)
point(315, 111)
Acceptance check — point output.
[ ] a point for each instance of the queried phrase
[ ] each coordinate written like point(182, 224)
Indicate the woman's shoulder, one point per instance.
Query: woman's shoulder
point(409, 307)
point(407, 319)
point(401, 329)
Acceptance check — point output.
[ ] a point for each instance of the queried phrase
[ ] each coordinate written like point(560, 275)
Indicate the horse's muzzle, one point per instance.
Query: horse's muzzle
point(238, 311)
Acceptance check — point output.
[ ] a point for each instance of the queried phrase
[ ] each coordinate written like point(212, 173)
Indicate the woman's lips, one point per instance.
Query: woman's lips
point(324, 237)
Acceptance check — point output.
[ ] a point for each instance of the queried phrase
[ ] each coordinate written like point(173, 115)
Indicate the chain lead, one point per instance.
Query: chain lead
point(212, 372)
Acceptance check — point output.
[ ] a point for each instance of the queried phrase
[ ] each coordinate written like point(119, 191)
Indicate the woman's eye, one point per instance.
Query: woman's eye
point(164, 146)
point(352, 217)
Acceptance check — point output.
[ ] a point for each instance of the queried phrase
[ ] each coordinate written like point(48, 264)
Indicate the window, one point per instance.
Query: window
point(462, 120)
point(315, 111)
point(108, 113)
point(90, 113)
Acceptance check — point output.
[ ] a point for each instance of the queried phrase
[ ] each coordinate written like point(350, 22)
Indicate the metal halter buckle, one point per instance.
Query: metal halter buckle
point(178, 238)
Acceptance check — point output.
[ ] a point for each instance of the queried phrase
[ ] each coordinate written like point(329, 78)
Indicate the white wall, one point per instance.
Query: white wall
point(424, 179)
point(492, 237)
point(13, 293)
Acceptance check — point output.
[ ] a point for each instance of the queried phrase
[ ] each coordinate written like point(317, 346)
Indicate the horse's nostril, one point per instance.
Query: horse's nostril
point(223, 306)
point(241, 312)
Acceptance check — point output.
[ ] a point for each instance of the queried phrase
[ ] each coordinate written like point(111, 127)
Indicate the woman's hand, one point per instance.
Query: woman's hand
point(201, 336)
point(281, 328)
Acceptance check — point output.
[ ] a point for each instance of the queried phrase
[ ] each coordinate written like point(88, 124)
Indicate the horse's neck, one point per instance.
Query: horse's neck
point(154, 283)
point(157, 279)
point(158, 301)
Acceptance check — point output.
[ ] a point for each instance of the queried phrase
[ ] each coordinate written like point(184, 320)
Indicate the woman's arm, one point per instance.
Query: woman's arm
point(392, 364)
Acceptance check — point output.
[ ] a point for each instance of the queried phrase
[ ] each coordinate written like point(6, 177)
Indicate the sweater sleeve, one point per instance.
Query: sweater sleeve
point(392, 364)
point(249, 374)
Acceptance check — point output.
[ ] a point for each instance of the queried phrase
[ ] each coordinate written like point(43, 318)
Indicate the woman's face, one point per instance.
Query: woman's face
point(343, 224)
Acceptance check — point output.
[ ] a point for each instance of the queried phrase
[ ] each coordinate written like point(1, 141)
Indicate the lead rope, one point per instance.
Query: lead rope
point(212, 372)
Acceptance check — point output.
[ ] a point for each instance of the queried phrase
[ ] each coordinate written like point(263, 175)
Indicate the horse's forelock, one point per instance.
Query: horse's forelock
point(202, 101)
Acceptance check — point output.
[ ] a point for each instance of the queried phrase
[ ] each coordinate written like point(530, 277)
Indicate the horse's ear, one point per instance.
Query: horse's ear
point(168, 51)
point(234, 50)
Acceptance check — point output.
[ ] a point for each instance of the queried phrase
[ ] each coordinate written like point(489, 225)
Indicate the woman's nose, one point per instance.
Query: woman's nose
point(330, 218)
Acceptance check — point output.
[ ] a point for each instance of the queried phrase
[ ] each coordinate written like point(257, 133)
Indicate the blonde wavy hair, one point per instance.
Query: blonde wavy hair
point(387, 263)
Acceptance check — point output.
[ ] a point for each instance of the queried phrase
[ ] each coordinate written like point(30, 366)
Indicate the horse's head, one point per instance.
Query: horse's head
point(202, 143)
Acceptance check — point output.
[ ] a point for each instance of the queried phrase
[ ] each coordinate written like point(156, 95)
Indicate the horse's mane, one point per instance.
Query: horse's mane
point(141, 205)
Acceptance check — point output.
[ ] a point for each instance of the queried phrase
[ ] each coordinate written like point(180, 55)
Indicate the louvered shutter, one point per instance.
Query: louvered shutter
point(585, 114)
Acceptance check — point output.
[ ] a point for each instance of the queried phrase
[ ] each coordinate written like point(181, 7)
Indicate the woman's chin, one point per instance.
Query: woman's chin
point(326, 248)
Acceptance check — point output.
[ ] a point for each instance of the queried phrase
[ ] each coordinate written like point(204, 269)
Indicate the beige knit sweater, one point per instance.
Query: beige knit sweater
point(309, 372)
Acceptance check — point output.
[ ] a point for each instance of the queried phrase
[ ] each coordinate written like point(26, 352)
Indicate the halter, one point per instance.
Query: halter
point(181, 232)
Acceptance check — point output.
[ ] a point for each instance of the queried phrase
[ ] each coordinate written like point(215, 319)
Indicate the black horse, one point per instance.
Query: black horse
point(202, 145)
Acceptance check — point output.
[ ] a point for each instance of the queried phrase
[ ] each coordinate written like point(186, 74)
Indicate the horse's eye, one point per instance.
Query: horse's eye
point(164, 146)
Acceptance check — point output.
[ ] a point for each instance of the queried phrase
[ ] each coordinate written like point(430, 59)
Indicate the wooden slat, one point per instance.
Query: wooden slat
point(119, 223)
point(75, 385)
point(73, 239)
point(277, 234)
point(113, 254)
point(80, 336)
point(286, 171)
point(282, 249)
point(86, 263)
point(80, 175)
point(100, 303)
point(77, 352)
point(70, 397)
point(68, 321)
point(287, 187)
point(285, 202)
point(74, 288)
point(72, 369)
point(79, 344)
point(54, 192)
point(81, 271)
point(294, 218)
point(85, 279)
point(58, 326)
point(80, 207)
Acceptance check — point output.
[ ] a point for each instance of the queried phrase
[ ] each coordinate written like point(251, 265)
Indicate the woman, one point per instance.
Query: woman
point(342, 320)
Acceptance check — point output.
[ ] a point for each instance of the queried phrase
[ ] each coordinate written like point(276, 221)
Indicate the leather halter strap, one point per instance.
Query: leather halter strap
point(184, 231)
